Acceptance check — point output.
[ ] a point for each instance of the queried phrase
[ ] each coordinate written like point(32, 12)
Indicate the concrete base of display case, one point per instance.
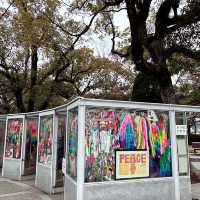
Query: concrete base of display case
point(70, 189)
point(12, 169)
point(140, 189)
point(43, 179)
point(57, 190)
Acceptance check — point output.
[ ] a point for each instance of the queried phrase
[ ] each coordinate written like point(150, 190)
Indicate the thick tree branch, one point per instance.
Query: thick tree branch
point(181, 49)
point(112, 2)
point(182, 21)
point(166, 25)
point(137, 14)
point(114, 10)
point(87, 27)
point(113, 50)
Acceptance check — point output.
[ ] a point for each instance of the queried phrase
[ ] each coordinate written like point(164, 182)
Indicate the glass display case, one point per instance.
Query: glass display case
point(52, 128)
point(115, 149)
point(13, 147)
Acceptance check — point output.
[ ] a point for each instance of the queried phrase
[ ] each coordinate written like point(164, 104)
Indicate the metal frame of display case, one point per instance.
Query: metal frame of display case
point(55, 112)
point(12, 168)
point(24, 116)
point(42, 180)
point(49, 185)
point(82, 103)
point(3, 119)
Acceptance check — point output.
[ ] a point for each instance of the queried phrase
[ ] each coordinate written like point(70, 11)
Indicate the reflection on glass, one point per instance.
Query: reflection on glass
point(31, 143)
point(183, 165)
point(14, 138)
point(60, 149)
point(72, 141)
point(45, 140)
point(182, 146)
point(182, 155)
point(108, 130)
point(181, 118)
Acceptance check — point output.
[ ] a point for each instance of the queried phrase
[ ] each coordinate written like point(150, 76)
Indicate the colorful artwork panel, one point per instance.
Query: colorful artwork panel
point(31, 142)
point(72, 143)
point(14, 138)
point(45, 140)
point(110, 130)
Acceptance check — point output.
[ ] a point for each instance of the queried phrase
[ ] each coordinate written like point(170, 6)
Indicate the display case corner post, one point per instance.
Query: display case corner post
point(80, 158)
point(23, 146)
point(175, 171)
point(55, 134)
point(4, 151)
point(37, 156)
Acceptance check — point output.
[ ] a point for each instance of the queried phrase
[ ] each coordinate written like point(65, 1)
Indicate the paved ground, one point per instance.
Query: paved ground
point(196, 191)
point(14, 190)
point(25, 190)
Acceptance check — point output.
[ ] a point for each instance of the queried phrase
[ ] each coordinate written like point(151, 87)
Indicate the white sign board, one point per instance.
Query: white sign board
point(64, 166)
point(181, 129)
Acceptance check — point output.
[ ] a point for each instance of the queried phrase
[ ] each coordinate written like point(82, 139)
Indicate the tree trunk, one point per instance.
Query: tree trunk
point(19, 100)
point(157, 78)
point(34, 68)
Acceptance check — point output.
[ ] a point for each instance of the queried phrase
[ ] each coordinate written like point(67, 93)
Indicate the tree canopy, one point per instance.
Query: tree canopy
point(45, 55)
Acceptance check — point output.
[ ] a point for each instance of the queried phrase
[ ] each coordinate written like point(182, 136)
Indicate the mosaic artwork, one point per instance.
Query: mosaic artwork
point(31, 142)
point(45, 140)
point(110, 130)
point(14, 138)
point(72, 138)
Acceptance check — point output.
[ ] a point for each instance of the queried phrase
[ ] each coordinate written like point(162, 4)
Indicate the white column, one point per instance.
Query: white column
point(175, 171)
point(54, 149)
point(81, 152)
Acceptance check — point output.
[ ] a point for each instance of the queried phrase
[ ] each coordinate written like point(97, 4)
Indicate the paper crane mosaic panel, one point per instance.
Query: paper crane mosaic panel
point(14, 138)
point(45, 140)
point(108, 130)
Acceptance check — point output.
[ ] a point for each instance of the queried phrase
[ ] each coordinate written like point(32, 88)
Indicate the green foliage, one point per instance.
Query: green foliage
point(60, 70)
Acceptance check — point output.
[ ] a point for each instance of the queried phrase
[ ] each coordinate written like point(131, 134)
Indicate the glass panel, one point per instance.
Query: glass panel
point(72, 143)
point(60, 149)
point(31, 144)
point(108, 130)
point(181, 118)
point(182, 146)
point(14, 138)
point(183, 166)
point(45, 140)
point(182, 155)
point(2, 139)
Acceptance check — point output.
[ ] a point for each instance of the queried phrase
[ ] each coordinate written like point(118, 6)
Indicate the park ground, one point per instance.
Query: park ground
point(15, 190)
